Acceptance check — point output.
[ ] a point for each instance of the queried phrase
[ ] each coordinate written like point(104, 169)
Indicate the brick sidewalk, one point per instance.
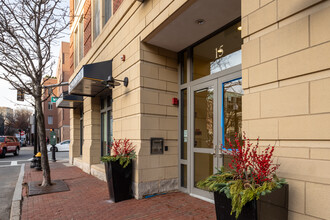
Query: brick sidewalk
point(87, 199)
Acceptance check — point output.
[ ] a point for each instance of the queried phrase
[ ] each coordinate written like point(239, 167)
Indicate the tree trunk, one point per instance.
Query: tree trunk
point(46, 180)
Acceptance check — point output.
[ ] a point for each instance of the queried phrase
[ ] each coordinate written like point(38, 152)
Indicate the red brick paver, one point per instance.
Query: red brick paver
point(87, 199)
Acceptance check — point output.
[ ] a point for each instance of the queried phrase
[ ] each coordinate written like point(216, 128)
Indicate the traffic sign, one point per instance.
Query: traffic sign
point(54, 99)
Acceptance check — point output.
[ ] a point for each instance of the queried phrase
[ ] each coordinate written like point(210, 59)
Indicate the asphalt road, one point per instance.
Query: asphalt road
point(9, 171)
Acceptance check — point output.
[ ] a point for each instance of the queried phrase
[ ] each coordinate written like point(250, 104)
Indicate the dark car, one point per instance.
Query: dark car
point(9, 144)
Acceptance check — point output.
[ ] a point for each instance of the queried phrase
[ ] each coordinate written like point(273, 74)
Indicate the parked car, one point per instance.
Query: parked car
point(21, 139)
point(63, 146)
point(9, 144)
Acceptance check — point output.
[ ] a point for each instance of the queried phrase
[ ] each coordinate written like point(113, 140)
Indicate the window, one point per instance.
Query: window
point(76, 52)
point(62, 114)
point(102, 11)
point(106, 124)
point(96, 19)
point(79, 42)
point(218, 53)
point(50, 106)
point(81, 39)
point(63, 57)
point(50, 120)
point(107, 10)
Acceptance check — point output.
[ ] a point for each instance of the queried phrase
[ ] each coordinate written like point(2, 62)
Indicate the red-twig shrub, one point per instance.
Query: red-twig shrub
point(122, 148)
point(248, 164)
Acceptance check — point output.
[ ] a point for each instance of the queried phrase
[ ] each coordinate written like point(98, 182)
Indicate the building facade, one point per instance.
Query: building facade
point(199, 71)
point(63, 75)
point(48, 107)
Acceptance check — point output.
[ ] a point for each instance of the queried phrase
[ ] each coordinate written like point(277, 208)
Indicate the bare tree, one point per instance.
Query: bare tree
point(28, 30)
point(20, 119)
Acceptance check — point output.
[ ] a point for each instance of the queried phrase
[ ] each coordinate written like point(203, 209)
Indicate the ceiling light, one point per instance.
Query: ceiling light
point(239, 28)
point(200, 21)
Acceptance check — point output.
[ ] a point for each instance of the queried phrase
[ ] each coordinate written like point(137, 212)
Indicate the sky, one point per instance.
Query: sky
point(8, 96)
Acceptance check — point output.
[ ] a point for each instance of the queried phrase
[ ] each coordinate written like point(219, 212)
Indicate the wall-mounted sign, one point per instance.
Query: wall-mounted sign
point(54, 99)
point(76, 79)
point(219, 52)
point(156, 145)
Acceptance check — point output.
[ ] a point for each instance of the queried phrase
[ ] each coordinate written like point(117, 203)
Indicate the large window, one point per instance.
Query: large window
point(76, 48)
point(220, 52)
point(107, 10)
point(81, 39)
point(79, 42)
point(102, 11)
point(96, 18)
point(106, 124)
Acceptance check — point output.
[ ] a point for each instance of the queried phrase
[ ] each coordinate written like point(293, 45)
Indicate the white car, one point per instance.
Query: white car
point(63, 146)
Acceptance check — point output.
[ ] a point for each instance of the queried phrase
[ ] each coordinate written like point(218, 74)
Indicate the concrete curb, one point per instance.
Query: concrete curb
point(15, 212)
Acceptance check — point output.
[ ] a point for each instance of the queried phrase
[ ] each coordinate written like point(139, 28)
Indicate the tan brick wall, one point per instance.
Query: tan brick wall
point(143, 109)
point(286, 77)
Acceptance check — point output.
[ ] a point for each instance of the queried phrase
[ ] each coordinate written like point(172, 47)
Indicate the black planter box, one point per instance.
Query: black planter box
point(119, 181)
point(272, 206)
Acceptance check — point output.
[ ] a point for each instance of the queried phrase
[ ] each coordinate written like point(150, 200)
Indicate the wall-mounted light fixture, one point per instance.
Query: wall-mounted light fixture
point(112, 82)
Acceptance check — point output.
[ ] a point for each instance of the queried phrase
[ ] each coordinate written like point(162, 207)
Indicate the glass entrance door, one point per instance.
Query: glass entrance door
point(204, 138)
point(215, 114)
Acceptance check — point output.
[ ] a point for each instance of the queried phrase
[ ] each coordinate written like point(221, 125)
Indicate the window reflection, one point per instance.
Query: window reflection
point(232, 109)
point(203, 118)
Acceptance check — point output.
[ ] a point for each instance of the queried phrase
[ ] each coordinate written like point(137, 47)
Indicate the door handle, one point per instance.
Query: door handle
point(213, 153)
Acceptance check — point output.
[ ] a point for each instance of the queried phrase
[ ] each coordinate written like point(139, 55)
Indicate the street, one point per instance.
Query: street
point(10, 167)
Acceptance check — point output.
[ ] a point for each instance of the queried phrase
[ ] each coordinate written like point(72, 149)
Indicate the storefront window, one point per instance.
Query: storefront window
point(218, 53)
point(104, 133)
point(81, 129)
point(106, 124)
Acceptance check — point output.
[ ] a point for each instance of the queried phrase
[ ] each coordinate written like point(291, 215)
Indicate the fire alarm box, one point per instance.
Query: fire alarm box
point(175, 101)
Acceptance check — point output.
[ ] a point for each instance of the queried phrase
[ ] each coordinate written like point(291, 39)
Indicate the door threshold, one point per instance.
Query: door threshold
point(202, 198)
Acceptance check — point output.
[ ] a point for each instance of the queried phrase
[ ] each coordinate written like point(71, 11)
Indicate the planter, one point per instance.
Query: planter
point(272, 206)
point(119, 181)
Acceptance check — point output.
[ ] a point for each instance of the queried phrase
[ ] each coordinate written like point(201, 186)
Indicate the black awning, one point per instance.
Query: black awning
point(88, 81)
point(69, 101)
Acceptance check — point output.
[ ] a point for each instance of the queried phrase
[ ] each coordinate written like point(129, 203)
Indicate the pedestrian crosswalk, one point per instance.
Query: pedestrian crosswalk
point(13, 163)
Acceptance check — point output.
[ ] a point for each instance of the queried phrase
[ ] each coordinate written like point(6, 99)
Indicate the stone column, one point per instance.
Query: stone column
point(74, 134)
point(92, 133)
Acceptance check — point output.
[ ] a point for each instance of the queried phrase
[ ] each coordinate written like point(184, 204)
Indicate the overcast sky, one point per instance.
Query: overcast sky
point(8, 96)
